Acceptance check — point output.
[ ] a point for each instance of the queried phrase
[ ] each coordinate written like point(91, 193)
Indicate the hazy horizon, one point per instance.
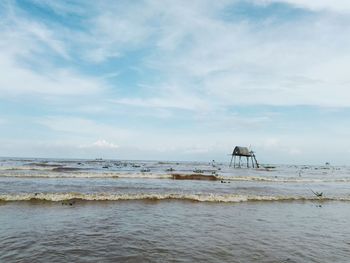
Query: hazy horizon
point(223, 161)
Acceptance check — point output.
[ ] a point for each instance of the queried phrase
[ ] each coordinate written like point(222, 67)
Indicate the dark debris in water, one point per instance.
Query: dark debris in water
point(68, 202)
point(194, 177)
point(224, 182)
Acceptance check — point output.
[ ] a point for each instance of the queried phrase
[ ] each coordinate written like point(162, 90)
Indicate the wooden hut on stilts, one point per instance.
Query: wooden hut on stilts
point(240, 152)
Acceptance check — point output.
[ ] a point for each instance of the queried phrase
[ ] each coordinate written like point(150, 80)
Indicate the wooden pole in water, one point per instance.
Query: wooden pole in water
point(256, 162)
point(247, 162)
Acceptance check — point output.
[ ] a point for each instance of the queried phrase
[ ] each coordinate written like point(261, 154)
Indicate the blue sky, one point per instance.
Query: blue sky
point(178, 80)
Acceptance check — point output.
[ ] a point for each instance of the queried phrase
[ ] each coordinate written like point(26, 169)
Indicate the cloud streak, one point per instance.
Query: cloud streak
point(339, 6)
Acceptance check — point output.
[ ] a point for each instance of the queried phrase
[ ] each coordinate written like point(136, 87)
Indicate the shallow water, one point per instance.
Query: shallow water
point(108, 211)
point(174, 231)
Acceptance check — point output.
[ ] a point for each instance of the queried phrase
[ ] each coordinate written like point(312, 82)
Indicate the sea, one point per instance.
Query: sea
point(65, 210)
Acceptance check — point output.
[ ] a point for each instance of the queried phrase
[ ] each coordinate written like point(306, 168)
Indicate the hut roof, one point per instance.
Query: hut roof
point(241, 151)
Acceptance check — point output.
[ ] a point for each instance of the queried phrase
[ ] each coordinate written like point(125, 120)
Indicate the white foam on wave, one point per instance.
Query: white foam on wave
point(171, 176)
point(87, 175)
point(282, 179)
point(145, 175)
point(23, 168)
point(225, 198)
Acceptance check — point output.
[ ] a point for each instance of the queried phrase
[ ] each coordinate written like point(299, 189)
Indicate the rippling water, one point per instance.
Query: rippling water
point(138, 211)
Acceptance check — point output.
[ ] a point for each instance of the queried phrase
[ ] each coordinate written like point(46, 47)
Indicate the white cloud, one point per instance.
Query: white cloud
point(188, 102)
point(273, 64)
point(196, 150)
point(62, 7)
point(116, 28)
point(341, 6)
point(21, 36)
point(213, 61)
point(101, 144)
point(19, 80)
point(85, 128)
point(38, 33)
point(26, 51)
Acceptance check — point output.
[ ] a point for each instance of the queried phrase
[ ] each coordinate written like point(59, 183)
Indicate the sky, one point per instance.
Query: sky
point(176, 80)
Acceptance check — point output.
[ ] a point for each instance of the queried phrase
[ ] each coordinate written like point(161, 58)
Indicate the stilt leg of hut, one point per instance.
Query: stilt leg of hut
point(256, 162)
point(247, 162)
point(231, 160)
point(251, 158)
point(239, 165)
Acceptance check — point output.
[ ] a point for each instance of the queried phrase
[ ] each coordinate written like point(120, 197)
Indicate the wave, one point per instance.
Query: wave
point(76, 174)
point(52, 168)
point(67, 169)
point(22, 168)
point(73, 174)
point(44, 164)
point(283, 179)
point(194, 177)
point(215, 198)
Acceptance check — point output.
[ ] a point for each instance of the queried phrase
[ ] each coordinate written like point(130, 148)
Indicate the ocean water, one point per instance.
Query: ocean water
point(55, 210)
